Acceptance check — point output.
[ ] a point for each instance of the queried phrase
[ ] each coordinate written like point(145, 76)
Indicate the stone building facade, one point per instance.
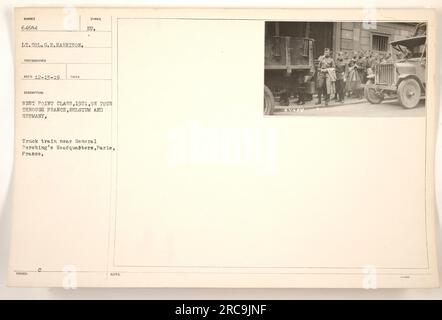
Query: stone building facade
point(344, 36)
point(357, 36)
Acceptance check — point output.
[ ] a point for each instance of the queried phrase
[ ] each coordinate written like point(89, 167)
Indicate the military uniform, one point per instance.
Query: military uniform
point(341, 71)
point(362, 68)
point(324, 64)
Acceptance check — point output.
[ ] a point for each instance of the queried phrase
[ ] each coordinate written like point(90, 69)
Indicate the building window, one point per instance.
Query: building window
point(379, 43)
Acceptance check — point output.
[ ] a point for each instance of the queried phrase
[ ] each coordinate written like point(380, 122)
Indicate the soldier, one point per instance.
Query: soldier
point(303, 82)
point(386, 58)
point(341, 73)
point(371, 60)
point(353, 83)
point(361, 66)
point(326, 63)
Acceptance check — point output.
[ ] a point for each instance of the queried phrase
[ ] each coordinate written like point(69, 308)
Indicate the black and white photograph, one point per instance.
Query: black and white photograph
point(345, 68)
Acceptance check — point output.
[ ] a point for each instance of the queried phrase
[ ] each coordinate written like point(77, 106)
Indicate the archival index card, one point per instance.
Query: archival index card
point(191, 148)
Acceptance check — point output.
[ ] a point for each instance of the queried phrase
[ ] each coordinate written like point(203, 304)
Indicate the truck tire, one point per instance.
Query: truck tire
point(409, 93)
point(371, 95)
point(269, 101)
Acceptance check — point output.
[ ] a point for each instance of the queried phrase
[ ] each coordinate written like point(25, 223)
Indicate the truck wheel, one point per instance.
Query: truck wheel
point(409, 93)
point(371, 95)
point(269, 101)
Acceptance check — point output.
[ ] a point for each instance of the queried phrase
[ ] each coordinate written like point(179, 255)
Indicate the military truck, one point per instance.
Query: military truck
point(289, 67)
point(405, 77)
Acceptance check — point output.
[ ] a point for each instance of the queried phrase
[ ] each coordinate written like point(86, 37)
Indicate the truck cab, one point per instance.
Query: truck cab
point(404, 77)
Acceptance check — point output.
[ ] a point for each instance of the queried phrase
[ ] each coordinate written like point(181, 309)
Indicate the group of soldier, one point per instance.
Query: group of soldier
point(344, 75)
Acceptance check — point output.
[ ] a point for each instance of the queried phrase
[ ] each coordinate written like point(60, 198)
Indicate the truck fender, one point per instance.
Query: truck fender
point(408, 76)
